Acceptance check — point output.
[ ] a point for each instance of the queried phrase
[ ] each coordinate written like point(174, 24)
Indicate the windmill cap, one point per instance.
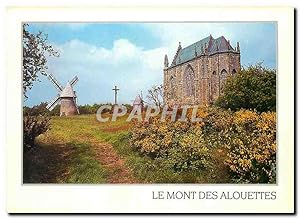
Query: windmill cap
point(138, 100)
point(67, 91)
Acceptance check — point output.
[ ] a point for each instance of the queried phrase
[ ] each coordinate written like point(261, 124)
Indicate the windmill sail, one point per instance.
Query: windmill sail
point(74, 81)
point(53, 103)
point(55, 82)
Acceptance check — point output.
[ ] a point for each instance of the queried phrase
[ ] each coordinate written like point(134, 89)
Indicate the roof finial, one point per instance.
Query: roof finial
point(238, 46)
point(166, 62)
point(179, 46)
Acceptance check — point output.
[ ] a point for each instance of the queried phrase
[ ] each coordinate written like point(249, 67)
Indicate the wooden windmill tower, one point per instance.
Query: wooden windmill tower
point(66, 97)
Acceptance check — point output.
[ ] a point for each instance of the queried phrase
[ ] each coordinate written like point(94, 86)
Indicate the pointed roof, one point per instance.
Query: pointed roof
point(138, 100)
point(67, 91)
point(198, 48)
point(221, 45)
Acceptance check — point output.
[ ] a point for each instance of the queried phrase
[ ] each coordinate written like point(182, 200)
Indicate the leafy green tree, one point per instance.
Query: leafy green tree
point(41, 110)
point(36, 50)
point(254, 87)
point(36, 110)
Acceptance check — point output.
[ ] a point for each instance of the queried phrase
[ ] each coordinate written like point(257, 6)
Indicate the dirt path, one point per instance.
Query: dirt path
point(115, 164)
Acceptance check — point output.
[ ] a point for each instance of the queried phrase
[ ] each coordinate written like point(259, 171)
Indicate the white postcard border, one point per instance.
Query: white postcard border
point(105, 198)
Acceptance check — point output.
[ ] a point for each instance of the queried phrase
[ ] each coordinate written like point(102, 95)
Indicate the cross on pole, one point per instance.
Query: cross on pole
point(116, 92)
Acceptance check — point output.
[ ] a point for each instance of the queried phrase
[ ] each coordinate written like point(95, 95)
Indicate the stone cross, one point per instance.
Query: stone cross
point(116, 92)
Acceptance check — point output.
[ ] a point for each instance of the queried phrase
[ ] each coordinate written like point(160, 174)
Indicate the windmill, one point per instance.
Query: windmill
point(139, 102)
point(66, 97)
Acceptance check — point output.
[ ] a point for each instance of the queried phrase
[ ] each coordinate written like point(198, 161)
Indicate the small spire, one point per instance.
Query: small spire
point(179, 46)
point(238, 46)
point(166, 62)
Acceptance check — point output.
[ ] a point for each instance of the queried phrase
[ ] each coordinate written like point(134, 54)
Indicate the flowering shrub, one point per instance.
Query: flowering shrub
point(248, 137)
point(178, 145)
point(216, 126)
point(251, 140)
point(33, 126)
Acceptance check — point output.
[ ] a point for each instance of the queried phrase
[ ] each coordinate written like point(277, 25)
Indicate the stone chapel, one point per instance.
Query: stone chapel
point(198, 71)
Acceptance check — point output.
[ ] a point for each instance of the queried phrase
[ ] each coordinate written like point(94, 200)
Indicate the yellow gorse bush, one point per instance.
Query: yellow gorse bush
point(248, 137)
point(179, 145)
point(252, 146)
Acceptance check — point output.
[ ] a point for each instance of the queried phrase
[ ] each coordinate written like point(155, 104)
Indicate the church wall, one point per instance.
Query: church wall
point(235, 62)
point(203, 73)
point(207, 75)
point(179, 82)
point(214, 69)
point(165, 85)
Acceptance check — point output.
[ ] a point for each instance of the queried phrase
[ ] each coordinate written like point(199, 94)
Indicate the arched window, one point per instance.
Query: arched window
point(233, 71)
point(189, 81)
point(172, 87)
point(223, 77)
point(214, 84)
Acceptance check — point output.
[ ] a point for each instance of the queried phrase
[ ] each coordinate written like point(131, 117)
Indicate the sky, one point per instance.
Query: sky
point(131, 55)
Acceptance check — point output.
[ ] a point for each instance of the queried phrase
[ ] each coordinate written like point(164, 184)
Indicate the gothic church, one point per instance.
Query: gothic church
point(198, 71)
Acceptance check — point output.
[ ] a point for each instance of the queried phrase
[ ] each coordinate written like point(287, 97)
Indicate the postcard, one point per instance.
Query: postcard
point(137, 110)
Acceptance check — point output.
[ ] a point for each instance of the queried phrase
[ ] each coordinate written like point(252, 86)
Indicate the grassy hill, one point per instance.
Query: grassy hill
point(80, 149)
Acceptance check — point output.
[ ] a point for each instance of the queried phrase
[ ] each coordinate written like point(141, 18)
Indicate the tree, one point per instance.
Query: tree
point(155, 95)
point(35, 51)
point(254, 87)
point(37, 110)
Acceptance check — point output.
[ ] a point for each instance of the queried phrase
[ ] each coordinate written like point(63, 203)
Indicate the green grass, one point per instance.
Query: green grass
point(66, 155)
point(67, 163)
point(152, 171)
point(84, 168)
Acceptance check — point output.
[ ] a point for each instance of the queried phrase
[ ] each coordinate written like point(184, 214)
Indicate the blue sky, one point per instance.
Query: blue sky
point(130, 55)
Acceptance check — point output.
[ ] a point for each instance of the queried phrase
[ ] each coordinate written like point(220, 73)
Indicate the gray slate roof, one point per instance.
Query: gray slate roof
point(190, 52)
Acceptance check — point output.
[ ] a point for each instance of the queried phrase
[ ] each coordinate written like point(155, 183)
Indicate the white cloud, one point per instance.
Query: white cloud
point(134, 68)
point(171, 34)
point(126, 65)
point(257, 41)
